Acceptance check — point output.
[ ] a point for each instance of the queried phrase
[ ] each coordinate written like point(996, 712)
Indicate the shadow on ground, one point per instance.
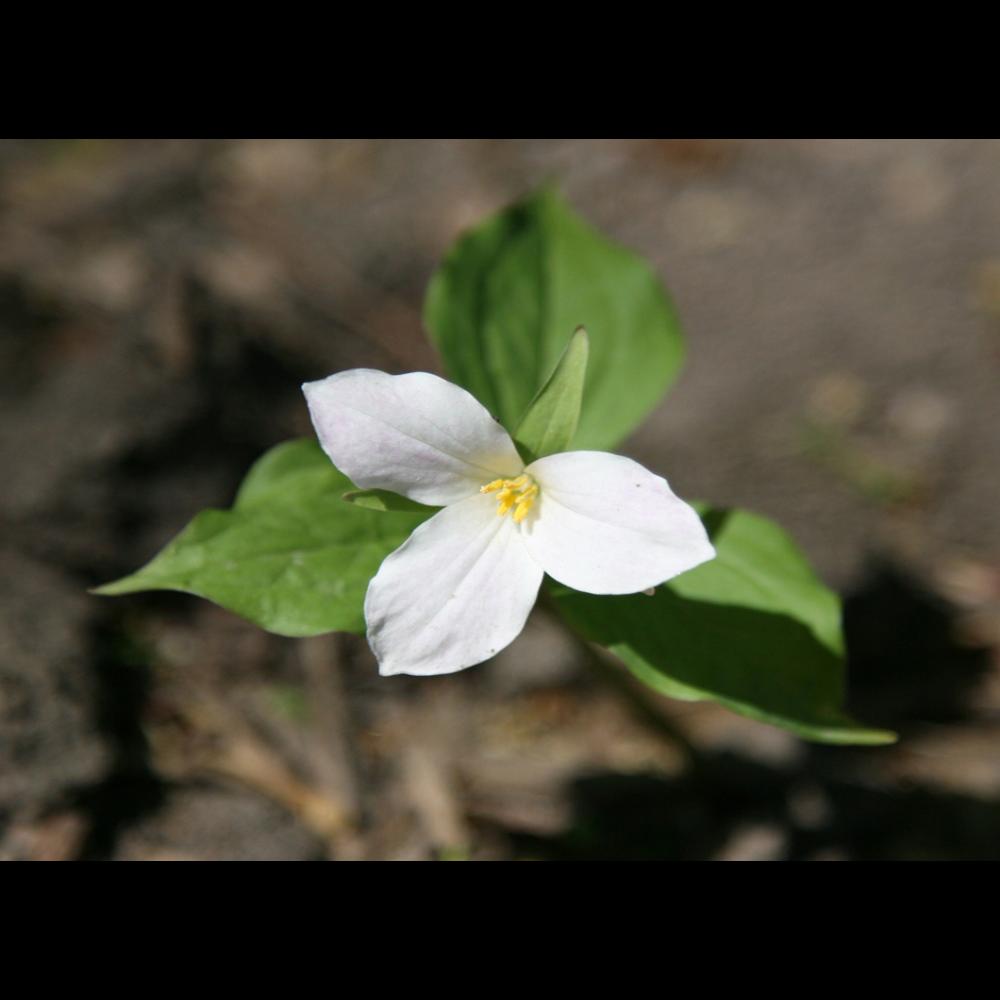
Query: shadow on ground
point(906, 670)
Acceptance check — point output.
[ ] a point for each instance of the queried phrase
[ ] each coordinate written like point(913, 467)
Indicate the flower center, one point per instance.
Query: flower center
point(519, 494)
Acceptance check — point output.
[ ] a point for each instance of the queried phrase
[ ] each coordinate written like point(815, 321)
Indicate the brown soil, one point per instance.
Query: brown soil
point(161, 302)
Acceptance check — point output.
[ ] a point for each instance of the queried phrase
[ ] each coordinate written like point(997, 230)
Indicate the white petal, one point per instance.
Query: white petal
point(413, 434)
point(458, 590)
point(606, 525)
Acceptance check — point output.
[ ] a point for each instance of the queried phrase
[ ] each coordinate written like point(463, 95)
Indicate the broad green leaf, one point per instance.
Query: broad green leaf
point(386, 500)
point(550, 423)
point(753, 629)
point(505, 302)
point(290, 555)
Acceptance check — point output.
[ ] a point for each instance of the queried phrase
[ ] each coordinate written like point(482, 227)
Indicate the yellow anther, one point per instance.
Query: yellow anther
point(514, 494)
point(505, 501)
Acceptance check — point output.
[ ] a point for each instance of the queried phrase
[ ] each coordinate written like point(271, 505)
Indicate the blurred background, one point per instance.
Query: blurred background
point(161, 302)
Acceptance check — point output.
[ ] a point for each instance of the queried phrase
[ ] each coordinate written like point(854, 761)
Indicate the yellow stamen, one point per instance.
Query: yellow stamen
point(517, 494)
point(505, 501)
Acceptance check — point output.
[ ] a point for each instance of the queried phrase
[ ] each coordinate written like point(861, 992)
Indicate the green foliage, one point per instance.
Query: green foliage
point(290, 555)
point(753, 629)
point(505, 302)
point(550, 422)
point(385, 500)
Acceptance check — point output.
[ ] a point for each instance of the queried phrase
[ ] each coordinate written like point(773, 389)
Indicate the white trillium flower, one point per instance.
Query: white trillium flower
point(461, 587)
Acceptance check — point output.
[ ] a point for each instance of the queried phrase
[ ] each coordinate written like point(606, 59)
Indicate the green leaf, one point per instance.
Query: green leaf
point(385, 500)
point(753, 629)
point(550, 423)
point(290, 555)
point(503, 306)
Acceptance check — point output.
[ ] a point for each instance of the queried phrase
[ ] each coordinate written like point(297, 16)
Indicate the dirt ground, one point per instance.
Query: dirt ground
point(162, 301)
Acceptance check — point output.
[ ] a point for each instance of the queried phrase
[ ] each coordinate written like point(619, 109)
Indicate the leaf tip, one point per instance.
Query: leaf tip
point(882, 737)
point(113, 588)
